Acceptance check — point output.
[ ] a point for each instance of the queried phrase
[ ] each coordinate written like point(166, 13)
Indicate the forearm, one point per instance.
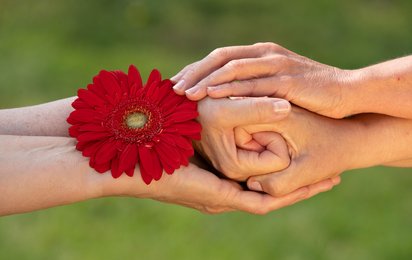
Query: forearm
point(385, 88)
point(381, 140)
point(42, 172)
point(47, 119)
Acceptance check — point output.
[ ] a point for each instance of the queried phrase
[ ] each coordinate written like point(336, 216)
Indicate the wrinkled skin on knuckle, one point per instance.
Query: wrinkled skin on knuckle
point(261, 109)
point(189, 73)
point(232, 65)
point(219, 53)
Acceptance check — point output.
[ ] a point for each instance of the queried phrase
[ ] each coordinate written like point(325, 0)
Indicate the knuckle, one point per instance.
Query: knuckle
point(234, 64)
point(219, 53)
point(273, 187)
point(189, 73)
point(281, 59)
point(261, 109)
point(252, 85)
point(269, 46)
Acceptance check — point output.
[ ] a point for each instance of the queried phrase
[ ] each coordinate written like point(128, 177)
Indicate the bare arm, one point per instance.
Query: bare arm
point(42, 172)
point(384, 88)
point(47, 119)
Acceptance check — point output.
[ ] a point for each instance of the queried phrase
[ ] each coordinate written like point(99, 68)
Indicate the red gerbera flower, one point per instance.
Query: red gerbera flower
point(119, 123)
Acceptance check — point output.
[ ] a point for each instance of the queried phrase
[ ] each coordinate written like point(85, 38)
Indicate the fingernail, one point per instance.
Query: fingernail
point(281, 106)
point(179, 85)
point(174, 78)
point(192, 91)
point(255, 186)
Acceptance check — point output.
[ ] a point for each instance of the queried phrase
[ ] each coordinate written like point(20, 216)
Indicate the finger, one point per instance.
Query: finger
point(278, 184)
point(258, 203)
point(315, 189)
point(242, 69)
point(252, 110)
point(244, 140)
point(275, 157)
point(214, 61)
point(179, 75)
point(251, 88)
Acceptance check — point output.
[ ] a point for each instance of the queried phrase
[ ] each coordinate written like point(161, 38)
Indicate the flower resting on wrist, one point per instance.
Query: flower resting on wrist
point(120, 122)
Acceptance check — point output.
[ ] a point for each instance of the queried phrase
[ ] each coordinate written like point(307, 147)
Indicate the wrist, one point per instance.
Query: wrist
point(104, 185)
point(354, 91)
point(350, 144)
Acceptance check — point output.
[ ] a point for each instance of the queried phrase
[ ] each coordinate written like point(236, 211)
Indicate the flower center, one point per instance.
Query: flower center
point(136, 120)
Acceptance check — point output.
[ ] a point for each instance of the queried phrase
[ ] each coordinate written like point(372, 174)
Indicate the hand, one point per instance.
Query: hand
point(267, 69)
point(320, 147)
point(238, 161)
point(199, 189)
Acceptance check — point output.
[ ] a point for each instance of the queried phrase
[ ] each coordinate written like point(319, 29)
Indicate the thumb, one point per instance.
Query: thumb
point(273, 158)
point(278, 183)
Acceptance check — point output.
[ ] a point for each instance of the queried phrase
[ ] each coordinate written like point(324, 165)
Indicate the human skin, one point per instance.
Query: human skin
point(39, 172)
point(321, 147)
point(41, 168)
point(267, 69)
point(219, 118)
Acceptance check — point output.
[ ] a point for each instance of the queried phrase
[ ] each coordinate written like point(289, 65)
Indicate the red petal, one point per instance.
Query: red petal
point(186, 128)
point(177, 140)
point(165, 161)
point(106, 152)
point(84, 116)
point(194, 136)
point(80, 104)
point(152, 163)
point(152, 92)
point(90, 98)
point(147, 178)
point(92, 136)
point(92, 128)
point(187, 105)
point(102, 168)
point(171, 102)
point(109, 82)
point(184, 160)
point(181, 116)
point(149, 164)
point(168, 154)
point(164, 90)
point(74, 130)
point(154, 77)
point(116, 172)
point(134, 77)
point(128, 159)
point(90, 149)
point(97, 88)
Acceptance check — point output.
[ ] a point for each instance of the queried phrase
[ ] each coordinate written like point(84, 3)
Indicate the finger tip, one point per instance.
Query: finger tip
point(254, 185)
point(282, 107)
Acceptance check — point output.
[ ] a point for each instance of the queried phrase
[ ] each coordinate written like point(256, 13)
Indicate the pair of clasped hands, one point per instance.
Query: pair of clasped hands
point(286, 127)
point(250, 134)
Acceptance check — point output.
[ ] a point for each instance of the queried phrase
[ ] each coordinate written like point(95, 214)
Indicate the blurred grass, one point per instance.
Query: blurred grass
point(48, 49)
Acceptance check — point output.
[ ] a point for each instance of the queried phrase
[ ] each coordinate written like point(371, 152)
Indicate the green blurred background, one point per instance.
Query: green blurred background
point(48, 49)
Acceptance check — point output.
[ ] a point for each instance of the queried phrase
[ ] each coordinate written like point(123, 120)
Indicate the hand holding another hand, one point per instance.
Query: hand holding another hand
point(267, 69)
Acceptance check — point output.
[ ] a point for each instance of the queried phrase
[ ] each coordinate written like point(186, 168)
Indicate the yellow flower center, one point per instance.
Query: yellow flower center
point(136, 120)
